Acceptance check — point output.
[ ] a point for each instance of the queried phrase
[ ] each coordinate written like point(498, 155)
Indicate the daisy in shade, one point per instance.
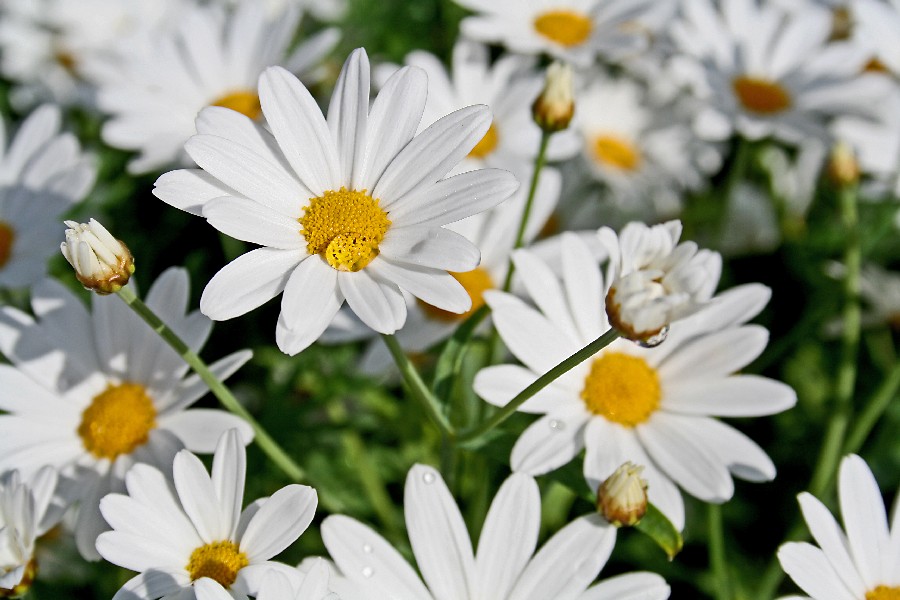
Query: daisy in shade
point(505, 566)
point(96, 392)
point(575, 31)
point(279, 585)
point(42, 174)
point(767, 72)
point(650, 406)
point(860, 561)
point(351, 208)
point(213, 57)
point(195, 531)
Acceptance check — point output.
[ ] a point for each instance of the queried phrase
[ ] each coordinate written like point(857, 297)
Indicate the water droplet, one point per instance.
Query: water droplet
point(367, 548)
point(428, 477)
point(656, 340)
point(557, 425)
point(368, 572)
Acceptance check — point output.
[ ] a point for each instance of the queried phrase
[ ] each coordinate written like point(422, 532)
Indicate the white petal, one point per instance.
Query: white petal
point(434, 248)
point(437, 288)
point(631, 586)
point(501, 383)
point(200, 429)
point(865, 518)
point(251, 221)
point(153, 584)
point(810, 570)
point(736, 396)
point(279, 522)
point(311, 297)
point(248, 281)
point(348, 114)
point(717, 354)
point(546, 291)
point(832, 541)
point(198, 497)
point(583, 283)
point(138, 553)
point(209, 589)
point(229, 472)
point(550, 442)
point(373, 303)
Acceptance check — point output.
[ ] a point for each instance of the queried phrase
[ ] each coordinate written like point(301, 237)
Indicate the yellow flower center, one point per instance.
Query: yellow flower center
point(565, 27)
point(345, 227)
point(7, 237)
point(245, 102)
point(761, 95)
point(476, 283)
point(883, 592)
point(118, 420)
point(622, 388)
point(841, 24)
point(66, 60)
point(218, 560)
point(487, 144)
point(617, 152)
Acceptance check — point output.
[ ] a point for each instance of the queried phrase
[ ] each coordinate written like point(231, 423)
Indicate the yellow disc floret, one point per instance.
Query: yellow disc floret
point(476, 283)
point(218, 560)
point(883, 592)
point(7, 237)
point(245, 102)
point(344, 227)
point(486, 145)
point(761, 96)
point(622, 388)
point(617, 152)
point(565, 27)
point(118, 420)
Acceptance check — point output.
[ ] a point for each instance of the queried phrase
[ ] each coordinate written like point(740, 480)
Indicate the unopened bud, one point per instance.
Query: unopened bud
point(554, 108)
point(843, 168)
point(622, 498)
point(101, 262)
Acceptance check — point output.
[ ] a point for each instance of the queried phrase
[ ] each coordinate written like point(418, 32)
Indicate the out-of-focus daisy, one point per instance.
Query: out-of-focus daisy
point(877, 24)
point(279, 585)
point(26, 512)
point(876, 146)
point(860, 561)
point(212, 57)
point(508, 87)
point(572, 30)
point(42, 174)
point(766, 72)
point(650, 406)
point(197, 531)
point(92, 393)
point(324, 10)
point(351, 208)
point(503, 567)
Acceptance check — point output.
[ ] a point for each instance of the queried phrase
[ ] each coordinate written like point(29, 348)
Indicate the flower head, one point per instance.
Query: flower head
point(622, 497)
point(101, 262)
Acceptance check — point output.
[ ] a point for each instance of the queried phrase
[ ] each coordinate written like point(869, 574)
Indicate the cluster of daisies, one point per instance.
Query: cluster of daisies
point(415, 206)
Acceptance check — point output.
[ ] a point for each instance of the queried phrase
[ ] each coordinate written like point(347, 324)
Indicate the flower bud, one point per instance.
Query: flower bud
point(101, 262)
point(622, 498)
point(843, 168)
point(554, 108)
point(29, 572)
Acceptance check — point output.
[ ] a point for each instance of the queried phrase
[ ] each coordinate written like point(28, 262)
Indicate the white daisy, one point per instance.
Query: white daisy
point(349, 209)
point(324, 10)
point(766, 72)
point(877, 23)
point(503, 567)
point(195, 530)
point(26, 512)
point(212, 57)
point(650, 406)
point(99, 391)
point(572, 30)
point(860, 561)
point(42, 174)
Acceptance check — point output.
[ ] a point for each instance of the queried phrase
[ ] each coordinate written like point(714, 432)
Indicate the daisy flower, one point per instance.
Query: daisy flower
point(351, 208)
point(505, 565)
point(195, 531)
point(42, 174)
point(212, 57)
point(876, 24)
point(860, 561)
point(575, 31)
point(650, 406)
point(766, 72)
point(99, 391)
point(26, 512)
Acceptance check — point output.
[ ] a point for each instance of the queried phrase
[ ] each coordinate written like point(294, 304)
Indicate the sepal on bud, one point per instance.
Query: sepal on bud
point(554, 108)
point(102, 263)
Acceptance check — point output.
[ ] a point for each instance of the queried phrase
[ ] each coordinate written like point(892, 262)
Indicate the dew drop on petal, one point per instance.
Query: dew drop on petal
point(367, 548)
point(656, 340)
point(428, 477)
point(557, 425)
point(368, 572)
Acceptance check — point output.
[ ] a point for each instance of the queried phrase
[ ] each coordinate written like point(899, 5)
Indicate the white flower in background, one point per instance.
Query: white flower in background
point(654, 280)
point(860, 561)
point(212, 57)
point(351, 208)
point(101, 262)
point(195, 530)
point(877, 24)
point(503, 567)
point(794, 177)
point(575, 31)
point(508, 87)
point(876, 146)
point(650, 406)
point(92, 393)
point(279, 585)
point(27, 511)
point(42, 174)
point(324, 10)
point(57, 50)
point(766, 72)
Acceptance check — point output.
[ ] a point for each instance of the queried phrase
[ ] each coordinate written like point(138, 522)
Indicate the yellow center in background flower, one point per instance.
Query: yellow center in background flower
point(761, 95)
point(118, 420)
point(486, 145)
point(217, 560)
point(622, 388)
point(565, 27)
point(7, 237)
point(476, 282)
point(615, 151)
point(883, 592)
point(245, 102)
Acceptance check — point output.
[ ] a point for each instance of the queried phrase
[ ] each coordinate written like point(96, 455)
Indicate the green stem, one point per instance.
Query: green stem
point(540, 383)
point(262, 437)
point(717, 559)
point(875, 407)
point(417, 387)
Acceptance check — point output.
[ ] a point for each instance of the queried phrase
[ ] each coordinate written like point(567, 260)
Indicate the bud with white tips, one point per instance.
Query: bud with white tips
point(101, 262)
point(622, 498)
point(843, 168)
point(554, 108)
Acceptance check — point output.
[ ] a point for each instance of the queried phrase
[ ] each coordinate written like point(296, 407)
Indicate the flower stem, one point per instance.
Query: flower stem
point(540, 383)
point(875, 407)
point(418, 388)
point(219, 390)
point(717, 559)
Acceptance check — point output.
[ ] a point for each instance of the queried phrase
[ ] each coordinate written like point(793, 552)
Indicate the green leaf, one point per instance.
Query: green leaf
point(658, 528)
